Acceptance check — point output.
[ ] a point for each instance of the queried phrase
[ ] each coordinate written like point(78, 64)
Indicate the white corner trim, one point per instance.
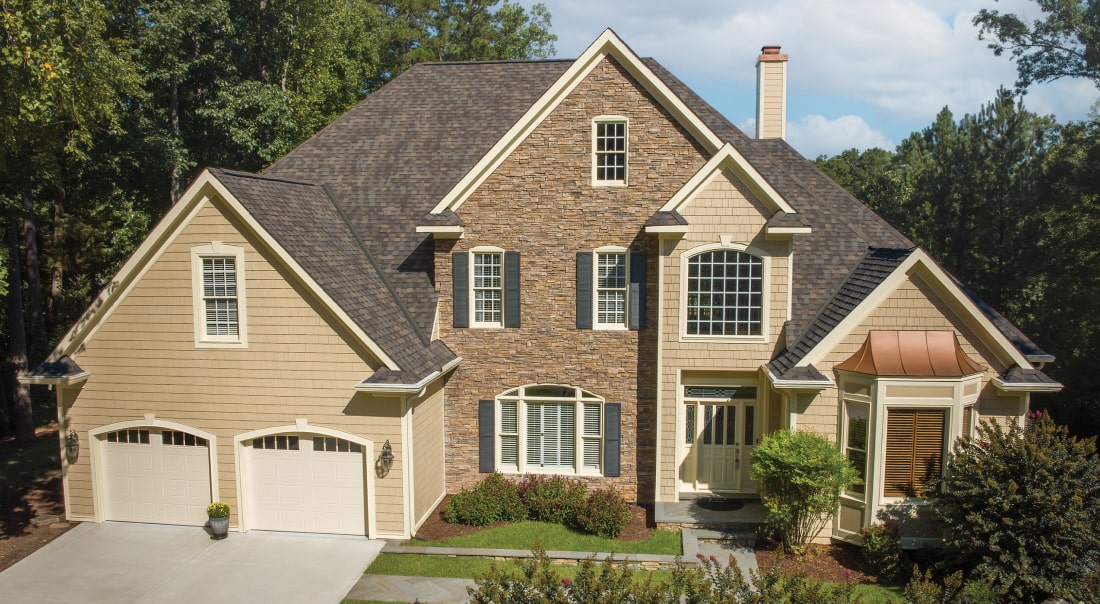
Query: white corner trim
point(608, 44)
point(918, 260)
point(729, 158)
point(443, 232)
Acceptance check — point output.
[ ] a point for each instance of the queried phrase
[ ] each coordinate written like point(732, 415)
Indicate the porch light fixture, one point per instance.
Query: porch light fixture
point(72, 446)
point(385, 460)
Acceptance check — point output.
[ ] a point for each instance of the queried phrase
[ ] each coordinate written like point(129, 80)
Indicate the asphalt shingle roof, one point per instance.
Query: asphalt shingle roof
point(304, 220)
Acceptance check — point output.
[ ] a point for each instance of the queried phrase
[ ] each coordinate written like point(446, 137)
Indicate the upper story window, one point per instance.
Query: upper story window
point(609, 151)
point(611, 289)
point(219, 294)
point(725, 294)
point(486, 287)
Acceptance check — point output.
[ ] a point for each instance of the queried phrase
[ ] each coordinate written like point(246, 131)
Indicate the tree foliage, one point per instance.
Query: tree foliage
point(1022, 505)
point(1064, 43)
point(801, 477)
point(108, 108)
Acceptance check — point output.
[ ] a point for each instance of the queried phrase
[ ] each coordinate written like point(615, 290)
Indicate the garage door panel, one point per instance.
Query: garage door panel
point(148, 481)
point(307, 490)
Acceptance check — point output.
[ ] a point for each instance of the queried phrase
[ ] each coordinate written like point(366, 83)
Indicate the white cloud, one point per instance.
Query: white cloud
point(892, 61)
point(815, 135)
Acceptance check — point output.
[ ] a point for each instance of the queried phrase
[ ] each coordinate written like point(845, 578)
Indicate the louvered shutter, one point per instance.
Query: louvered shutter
point(486, 426)
point(509, 435)
point(637, 290)
point(511, 289)
point(460, 280)
point(612, 421)
point(914, 450)
point(968, 420)
point(591, 427)
point(584, 290)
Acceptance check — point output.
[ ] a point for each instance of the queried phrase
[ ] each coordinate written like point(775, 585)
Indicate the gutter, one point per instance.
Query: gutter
point(416, 389)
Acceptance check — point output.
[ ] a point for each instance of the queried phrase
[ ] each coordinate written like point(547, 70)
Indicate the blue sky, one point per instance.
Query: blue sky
point(862, 73)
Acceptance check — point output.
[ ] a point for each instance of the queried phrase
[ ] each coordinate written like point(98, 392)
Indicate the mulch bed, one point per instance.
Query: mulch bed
point(435, 528)
point(20, 503)
point(822, 562)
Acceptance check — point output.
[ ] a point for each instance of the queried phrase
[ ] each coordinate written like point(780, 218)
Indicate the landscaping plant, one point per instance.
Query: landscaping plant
point(218, 509)
point(1021, 507)
point(604, 513)
point(802, 475)
point(881, 552)
point(552, 498)
point(494, 499)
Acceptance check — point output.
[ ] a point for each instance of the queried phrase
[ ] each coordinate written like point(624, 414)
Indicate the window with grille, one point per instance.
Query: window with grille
point(610, 152)
point(488, 288)
point(280, 442)
point(176, 438)
point(219, 291)
point(725, 294)
point(548, 427)
point(134, 437)
point(914, 450)
point(611, 288)
point(329, 444)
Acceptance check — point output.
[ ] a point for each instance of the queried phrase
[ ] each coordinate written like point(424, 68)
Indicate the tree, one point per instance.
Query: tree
point(801, 476)
point(1021, 508)
point(873, 177)
point(1064, 43)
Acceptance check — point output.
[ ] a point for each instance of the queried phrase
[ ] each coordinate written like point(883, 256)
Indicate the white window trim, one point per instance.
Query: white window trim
point(217, 249)
point(765, 291)
point(606, 119)
point(521, 426)
point(596, 324)
point(474, 323)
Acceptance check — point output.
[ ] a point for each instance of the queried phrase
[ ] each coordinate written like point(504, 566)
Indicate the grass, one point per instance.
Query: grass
point(555, 537)
point(878, 594)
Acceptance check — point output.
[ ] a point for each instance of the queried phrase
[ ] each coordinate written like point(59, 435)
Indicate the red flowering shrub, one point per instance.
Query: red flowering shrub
point(551, 498)
point(604, 513)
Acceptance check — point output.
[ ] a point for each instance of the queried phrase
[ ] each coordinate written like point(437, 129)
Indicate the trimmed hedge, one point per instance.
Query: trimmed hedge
point(494, 499)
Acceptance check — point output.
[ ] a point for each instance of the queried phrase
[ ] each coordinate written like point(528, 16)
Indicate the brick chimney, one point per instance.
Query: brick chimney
point(771, 93)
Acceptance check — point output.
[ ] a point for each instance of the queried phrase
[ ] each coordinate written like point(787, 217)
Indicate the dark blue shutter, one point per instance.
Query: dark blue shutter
point(584, 290)
point(637, 290)
point(511, 289)
point(486, 433)
point(612, 421)
point(460, 279)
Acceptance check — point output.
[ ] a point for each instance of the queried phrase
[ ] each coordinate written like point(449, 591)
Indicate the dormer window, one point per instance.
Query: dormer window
point(609, 151)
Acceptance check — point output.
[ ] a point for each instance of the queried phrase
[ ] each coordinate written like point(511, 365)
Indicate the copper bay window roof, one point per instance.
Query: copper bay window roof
point(911, 354)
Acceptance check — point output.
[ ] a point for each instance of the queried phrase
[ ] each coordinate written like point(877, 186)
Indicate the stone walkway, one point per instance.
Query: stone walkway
point(436, 589)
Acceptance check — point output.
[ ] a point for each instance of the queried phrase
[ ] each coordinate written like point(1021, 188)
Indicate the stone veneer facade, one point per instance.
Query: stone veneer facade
point(541, 202)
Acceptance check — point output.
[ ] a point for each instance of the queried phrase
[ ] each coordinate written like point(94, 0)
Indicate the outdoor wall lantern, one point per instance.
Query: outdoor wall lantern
point(385, 460)
point(72, 445)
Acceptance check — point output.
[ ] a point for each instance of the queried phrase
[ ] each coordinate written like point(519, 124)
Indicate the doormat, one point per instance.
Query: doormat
point(719, 504)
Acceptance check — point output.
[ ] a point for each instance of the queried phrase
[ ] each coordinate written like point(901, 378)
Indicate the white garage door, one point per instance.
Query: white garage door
point(307, 483)
point(155, 475)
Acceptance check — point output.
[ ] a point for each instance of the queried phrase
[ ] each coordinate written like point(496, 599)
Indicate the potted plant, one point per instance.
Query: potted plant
point(219, 518)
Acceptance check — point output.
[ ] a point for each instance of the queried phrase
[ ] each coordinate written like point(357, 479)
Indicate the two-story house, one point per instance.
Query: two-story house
point(569, 267)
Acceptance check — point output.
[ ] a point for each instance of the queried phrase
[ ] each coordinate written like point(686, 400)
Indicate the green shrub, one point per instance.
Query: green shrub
point(494, 499)
point(218, 509)
point(924, 589)
point(881, 551)
point(802, 475)
point(604, 513)
point(551, 498)
point(1021, 507)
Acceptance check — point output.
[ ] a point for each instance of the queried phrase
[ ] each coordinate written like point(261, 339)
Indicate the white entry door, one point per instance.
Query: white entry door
point(719, 434)
point(159, 476)
point(307, 483)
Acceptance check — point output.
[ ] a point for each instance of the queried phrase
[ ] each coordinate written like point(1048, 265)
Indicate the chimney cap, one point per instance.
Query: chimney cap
point(770, 49)
point(770, 53)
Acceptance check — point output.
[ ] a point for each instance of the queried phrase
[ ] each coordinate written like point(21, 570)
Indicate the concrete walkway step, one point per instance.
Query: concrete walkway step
point(739, 535)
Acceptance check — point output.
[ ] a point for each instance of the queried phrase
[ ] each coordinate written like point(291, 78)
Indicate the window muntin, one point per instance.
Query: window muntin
point(914, 450)
point(329, 444)
point(856, 434)
point(611, 283)
point(219, 294)
point(279, 442)
point(550, 428)
point(610, 152)
point(488, 288)
point(134, 437)
point(725, 294)
point(176, 438)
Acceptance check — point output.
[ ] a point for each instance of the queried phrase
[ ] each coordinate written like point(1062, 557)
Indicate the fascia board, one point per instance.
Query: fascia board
point(135, 266)
point(799, 385)
point(918, 260)
point(727, 157)
point(443, 232)
point(303, 275)
point(68, 380)
point(676, 229)
point(607, 44)
point(1010, 387)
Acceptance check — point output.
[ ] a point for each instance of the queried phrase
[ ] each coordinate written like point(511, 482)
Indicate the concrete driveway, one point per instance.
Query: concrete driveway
point(129, 563)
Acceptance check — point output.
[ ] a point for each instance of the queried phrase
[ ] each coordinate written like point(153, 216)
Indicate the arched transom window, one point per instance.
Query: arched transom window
point(550, 428)
point(725, 294)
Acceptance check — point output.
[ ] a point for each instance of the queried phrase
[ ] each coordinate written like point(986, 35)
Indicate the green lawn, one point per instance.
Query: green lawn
point(555, 537)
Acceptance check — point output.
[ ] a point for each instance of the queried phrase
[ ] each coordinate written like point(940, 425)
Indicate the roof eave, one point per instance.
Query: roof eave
point(671, 229)
point(442, 232)
point(1017, 387)
point(799, 385)
point(62, 380)
point(778, 232)
point(404, 389)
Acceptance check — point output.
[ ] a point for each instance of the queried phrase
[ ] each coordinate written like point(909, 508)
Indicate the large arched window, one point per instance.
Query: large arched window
point(550, 428)
point(725, 294)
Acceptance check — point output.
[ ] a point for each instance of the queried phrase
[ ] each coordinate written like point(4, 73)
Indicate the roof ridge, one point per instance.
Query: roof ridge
point(425, 340)
point(491, 62)
point(254, 176)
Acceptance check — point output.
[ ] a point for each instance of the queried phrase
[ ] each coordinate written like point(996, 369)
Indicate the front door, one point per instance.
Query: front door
point(720, 429)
